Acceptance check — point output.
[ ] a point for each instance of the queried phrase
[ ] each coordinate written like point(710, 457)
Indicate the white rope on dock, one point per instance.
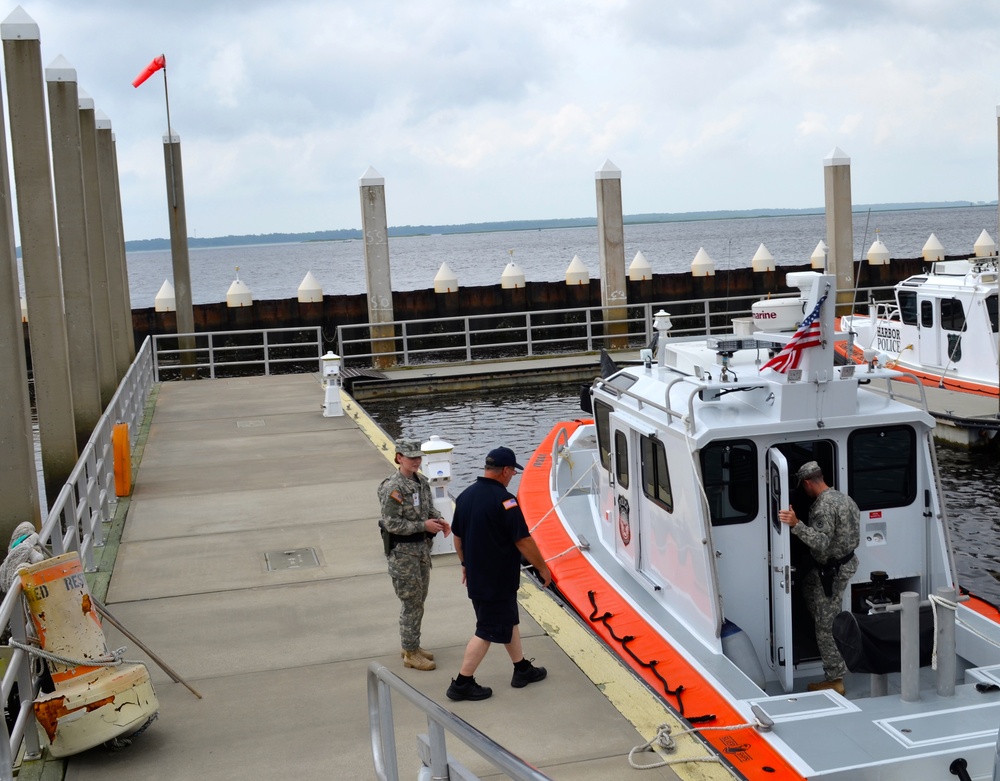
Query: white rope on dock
point(664, 740)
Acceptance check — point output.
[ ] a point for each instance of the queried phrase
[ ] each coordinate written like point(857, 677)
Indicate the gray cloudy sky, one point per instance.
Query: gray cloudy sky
point(481, 111)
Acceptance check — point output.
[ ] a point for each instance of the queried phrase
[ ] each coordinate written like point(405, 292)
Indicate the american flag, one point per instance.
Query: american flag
point(807, 335)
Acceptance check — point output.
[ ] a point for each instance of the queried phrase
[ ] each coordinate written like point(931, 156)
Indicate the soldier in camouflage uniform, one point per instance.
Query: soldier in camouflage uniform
point(409, 522)
point(832, 534)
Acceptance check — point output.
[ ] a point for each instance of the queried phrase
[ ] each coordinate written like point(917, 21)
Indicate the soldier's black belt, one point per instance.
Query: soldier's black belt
point(395, 539)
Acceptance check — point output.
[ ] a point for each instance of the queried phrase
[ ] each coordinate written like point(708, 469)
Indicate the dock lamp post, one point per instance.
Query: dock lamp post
point(332, 382)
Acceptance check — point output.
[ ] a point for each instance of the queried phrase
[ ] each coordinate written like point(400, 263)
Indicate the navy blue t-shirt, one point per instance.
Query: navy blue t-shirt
point(489, 521)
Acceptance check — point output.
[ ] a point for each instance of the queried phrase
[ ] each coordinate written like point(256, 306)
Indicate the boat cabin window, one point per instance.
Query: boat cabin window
point(729, 473)
point(655, 477)
point(991, 310)
point(882, 467)
point(927, 314)
point(602, 420)
point(952, 314)
point(621, 459)
point(623, 381)
point(908, 306)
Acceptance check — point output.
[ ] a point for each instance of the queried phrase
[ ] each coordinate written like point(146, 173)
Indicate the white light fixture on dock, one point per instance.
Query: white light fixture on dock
point(933, 249)
point(238, 294)
point(165, 300)
point(445, 280)
point(985, 247)
point(310, 291)
point(639, 269)
point(762, 260)
point(703, 265)
point(576, 272)
point(818, 259)
point(878, 254)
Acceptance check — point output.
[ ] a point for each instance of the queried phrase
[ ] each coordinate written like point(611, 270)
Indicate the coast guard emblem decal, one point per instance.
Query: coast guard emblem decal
point(624, 529)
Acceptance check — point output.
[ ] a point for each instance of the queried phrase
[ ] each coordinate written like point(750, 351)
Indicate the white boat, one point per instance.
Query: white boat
point(942, 328)
point(659, 521)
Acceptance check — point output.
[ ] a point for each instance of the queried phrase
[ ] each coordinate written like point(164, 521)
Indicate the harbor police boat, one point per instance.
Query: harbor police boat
point(941, 327)
point(659, 520)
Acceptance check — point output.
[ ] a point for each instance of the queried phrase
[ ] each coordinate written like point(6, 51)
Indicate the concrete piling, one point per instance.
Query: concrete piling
point(184, 314)
point(611, 243)
point(39, 249)
point(839, 225)
point(121, 330)
point(67, 168)
point(18, 479)
point(107, 370)
point(375, 228)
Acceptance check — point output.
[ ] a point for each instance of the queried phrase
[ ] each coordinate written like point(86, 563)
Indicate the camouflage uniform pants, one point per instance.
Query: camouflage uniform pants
point(410, 570)
point(824, 609)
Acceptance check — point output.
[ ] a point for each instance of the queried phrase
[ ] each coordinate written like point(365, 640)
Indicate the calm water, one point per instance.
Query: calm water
point(476, 423)
point(275, 271)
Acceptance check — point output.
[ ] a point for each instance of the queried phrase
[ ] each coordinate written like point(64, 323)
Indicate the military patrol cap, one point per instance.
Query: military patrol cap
point(501, 457)
point(409, 448)
point(807, 470)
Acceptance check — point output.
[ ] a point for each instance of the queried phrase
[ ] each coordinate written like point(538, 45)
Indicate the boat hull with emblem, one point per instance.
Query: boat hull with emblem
point(942, 328)
point(658, 518)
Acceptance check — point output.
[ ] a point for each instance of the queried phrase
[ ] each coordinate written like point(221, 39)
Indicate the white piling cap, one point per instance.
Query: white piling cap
point(639, 269)
point(933, 249)
point(445, 280)
point(577, 273)
point(238, 294)
point(608, 171)
point(703, 265)
point(878, 254)
point(372, 178)
point(985, 246)
point(24, 310)
point(818, 258)
point(165, 300)
point(310, 291)
point(762, 260)
point(60, 70)
point(512, 277)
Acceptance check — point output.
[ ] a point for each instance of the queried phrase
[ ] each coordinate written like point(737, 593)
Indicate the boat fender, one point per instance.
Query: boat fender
point(739, 650)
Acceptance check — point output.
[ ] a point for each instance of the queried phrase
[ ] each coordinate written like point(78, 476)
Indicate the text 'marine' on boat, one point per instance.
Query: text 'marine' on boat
point(659, 521)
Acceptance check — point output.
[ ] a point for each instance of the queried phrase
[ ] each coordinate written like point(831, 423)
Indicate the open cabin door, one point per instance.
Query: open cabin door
point(781, 570)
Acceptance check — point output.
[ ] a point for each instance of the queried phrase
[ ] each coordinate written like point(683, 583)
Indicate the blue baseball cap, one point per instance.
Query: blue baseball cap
point(501, 457)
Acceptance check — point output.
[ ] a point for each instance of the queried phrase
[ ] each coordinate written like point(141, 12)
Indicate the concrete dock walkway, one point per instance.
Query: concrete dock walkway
point(235, 469)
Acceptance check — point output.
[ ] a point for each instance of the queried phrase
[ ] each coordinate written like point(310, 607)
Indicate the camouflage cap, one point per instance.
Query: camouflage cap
point(409, 448)
point(807, 470)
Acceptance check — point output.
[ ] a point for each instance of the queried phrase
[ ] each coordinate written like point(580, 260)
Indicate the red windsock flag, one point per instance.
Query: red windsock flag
point(153, 67)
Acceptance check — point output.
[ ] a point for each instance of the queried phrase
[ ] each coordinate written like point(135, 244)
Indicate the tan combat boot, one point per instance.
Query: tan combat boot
point(421, 651)
point(417, 662)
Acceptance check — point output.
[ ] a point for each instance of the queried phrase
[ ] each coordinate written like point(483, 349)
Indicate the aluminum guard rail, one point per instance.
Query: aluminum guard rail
point(381, 685)
point(215, 348)
point(73, 523)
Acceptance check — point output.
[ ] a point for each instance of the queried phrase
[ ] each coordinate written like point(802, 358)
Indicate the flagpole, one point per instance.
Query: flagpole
point(170, 135)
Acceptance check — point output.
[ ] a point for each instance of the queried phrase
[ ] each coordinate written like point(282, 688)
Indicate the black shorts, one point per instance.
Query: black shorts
point(495, 621)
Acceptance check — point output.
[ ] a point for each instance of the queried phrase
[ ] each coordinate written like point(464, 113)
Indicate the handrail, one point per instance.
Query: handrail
point(440, 340)
point(73, 523)
point(382, 684)
point(208, 356)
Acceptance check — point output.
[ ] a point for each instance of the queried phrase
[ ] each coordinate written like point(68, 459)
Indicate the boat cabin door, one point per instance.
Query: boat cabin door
point(780, 570)
point(625, 506)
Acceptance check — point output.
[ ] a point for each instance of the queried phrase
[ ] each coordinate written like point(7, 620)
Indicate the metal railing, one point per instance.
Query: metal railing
point(543, 332)
point(381, 685)
point(73, 523)
point(209, 353)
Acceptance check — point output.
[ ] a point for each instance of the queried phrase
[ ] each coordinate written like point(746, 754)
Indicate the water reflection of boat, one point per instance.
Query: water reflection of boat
point(659, 521)
point(941, 327)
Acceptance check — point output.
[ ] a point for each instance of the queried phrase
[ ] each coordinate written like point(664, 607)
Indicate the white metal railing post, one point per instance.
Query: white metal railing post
point(267, 355)
point(468, 339)
point(527, 332)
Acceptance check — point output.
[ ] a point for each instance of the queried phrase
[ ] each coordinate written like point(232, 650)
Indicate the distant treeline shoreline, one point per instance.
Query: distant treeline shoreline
point(346, 234)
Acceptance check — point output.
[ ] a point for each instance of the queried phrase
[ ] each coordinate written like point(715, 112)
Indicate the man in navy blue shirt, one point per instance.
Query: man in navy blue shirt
point(490, 537)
